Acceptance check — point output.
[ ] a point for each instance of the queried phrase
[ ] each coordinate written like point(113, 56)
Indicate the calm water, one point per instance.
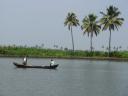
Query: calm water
point(72, 78)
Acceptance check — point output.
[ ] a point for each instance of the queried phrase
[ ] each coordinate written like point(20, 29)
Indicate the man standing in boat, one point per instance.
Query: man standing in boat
point(25, 60)
point(52, 62)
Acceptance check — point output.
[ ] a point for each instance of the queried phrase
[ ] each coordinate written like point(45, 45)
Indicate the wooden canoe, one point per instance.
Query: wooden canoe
point(34, 66)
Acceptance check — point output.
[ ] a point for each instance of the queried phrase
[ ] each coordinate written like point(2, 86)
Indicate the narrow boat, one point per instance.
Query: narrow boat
point(34, 66)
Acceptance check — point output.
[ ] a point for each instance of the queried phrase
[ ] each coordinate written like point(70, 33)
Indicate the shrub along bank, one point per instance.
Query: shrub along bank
point(39, 52)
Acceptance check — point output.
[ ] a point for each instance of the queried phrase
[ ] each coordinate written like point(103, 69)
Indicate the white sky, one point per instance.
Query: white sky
point(33, 22)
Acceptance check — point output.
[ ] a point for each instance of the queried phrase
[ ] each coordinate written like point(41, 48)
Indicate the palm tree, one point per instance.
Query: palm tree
point(90, 26)
point(70, 21)
point(110, 21)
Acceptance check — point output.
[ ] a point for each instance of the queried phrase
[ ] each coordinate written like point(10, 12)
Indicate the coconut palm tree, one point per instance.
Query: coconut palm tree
point(90, 26)
point(70, 21)
point(111, 21)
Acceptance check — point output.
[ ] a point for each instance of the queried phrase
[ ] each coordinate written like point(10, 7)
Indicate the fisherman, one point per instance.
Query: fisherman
point(25, 60)
point(52, 62)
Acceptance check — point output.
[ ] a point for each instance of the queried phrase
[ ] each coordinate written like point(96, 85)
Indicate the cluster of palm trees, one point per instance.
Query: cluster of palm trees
point(90, 25)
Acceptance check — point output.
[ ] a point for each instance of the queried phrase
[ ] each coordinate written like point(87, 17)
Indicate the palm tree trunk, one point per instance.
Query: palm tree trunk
point(72, 40)
point(91, 42)
point(109, 49)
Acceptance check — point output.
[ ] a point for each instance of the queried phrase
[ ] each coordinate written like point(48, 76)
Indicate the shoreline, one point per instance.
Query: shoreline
point(84, 58)
point(20, 52)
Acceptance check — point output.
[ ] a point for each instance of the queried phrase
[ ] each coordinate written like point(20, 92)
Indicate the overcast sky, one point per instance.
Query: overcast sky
point(36, 22)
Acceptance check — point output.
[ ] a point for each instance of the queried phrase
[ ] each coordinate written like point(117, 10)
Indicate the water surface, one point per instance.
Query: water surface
point(72, 78)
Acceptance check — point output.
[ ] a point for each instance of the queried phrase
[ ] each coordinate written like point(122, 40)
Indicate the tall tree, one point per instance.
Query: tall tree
point(90, 26)
point(70, 21)
point(111, 21)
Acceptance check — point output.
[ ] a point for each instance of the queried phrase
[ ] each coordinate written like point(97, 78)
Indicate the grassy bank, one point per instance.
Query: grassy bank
point(38, 52)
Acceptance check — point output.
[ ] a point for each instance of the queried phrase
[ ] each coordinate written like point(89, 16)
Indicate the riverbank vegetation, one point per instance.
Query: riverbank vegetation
point(19, 51)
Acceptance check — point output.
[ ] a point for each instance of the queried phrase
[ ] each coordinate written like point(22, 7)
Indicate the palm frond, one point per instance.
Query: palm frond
point(110, 20)
point(90, 25)
point(71, 20)
point(103, 13)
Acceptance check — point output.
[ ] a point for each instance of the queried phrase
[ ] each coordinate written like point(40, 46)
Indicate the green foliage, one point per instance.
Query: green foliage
point(36, 52)
point(111, 21)
point(90, 26)
point(70, 21)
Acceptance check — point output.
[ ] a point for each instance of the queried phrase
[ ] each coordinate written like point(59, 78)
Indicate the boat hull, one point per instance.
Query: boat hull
point(33, 66)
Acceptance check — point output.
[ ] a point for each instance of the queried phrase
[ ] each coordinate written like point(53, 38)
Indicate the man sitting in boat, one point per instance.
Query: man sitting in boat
point(25, 60)
point(52, 62)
